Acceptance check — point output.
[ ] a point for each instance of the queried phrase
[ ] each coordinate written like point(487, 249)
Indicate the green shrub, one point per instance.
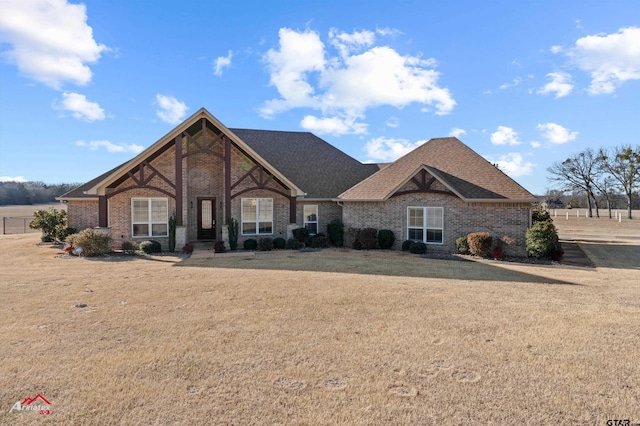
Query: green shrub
point(233, 228)
point(150, 246)
point(320, 241)
point(265, 244)
point(479, 243)
point(462, 245)
point(279, 243)
point(350, 238)
point(406, 244)
point(557, 253)
point(51, 222)
point(368, 238)
point(293, 244)
point(335, 229)
point(187, 248)
point(172, 233)
point(386, 239)
point(130, 247)
point(417, 247)
point(541, 239)
point(219, 247)
point(90, 242)
point(539, 214)
point(300, 234)
point(250, 244)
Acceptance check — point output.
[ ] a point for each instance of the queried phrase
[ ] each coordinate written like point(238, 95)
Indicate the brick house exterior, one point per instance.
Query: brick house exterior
point(272, 182)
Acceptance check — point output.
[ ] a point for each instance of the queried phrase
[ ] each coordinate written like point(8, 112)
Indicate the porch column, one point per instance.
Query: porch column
point(178, 180)
point(227, 178)
point(103, 218)
point(292, 209)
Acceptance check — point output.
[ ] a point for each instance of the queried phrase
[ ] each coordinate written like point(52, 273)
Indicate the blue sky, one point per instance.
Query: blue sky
point(85, 86)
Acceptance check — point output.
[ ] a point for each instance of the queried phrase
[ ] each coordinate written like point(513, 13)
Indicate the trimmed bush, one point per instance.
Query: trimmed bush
point(497, 253)
point(233, 228)
point(462, 245)
point(479, 243)
point(130, 247)
point(250, 244)
point(417, 247)
point(219, 247)
point(51, 222)
point(350, 238)
point(557, 254)
point(172, 233)
point(541, 239)
point(279, 243)
point(386, 239)
point(368, 238)
point(293, 244)
point(65, 232)
point(300, 234)
point(265, 244)
point(406, 244)
point(92, 242)
point(320, 241)
point(335, 229)
point(538, 214)
point(150, 246)
point(187, 248)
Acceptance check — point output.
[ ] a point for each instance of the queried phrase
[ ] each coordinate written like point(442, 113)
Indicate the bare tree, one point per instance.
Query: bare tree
point(623, 164)
point(577, 172)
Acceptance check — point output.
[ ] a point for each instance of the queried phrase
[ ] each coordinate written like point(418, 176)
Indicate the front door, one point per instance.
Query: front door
point(206, 218)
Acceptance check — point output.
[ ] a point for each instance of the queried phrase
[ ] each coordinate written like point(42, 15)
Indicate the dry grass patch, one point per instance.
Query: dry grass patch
point(204, 342)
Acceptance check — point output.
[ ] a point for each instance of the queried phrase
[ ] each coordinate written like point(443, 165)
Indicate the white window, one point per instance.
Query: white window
point(425, 224)
point(257, 216)
point(311, 219)
point(150, 217)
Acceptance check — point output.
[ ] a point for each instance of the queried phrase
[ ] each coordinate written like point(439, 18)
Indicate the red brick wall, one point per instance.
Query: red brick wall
point(460, 218)
point(82, 214)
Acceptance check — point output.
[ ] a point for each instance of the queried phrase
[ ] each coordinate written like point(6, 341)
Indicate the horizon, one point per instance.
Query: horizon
point(89, 85)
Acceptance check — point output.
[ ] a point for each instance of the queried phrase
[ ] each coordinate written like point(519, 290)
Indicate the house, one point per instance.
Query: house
point(272, 182)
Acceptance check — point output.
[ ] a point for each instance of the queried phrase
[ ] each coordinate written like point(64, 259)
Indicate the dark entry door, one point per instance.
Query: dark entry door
point(206, 218)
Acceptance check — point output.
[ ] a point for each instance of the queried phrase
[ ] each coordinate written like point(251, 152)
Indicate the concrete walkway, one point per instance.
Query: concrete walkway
point(574, 255)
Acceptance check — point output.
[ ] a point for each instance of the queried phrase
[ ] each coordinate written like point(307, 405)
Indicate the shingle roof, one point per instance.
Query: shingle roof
point(455, 164)
point(318, 168)
point(312, 164)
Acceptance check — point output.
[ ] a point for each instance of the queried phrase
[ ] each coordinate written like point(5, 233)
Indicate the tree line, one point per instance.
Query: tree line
point(602, 175)
point(26, 193)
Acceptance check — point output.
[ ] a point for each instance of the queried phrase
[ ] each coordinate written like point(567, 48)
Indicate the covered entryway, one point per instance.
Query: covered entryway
point(206, 218)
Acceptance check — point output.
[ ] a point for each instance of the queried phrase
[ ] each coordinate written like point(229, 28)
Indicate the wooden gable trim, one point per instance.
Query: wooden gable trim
point(423, 182)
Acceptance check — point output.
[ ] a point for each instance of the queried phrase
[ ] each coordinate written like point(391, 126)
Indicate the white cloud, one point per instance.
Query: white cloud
point(388, 149)
point(512, 164)
point(333, 125)
point(610, 59)
point(535, 144)
point(110, 147)
point(221, 63)
point(457, 132)
point(516, 81)
point(51, 41)
point(392, 122)
point(361, 76)
point(12, 179)
point(560, 84)
point(80, 107)
point(170, 110)
point(555, 49)
point(505, 136)
point(555, 133)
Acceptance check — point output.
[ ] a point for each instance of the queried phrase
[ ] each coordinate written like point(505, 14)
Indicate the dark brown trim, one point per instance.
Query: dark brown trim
point(227, 178)
point(263, 189)
point(163, 191)
point(103, 212)
point(178, 187)
point(292, 209)
point(423, 191)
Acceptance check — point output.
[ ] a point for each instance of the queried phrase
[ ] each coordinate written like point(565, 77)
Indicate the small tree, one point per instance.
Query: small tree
point(172, 232)
point(51, 222)
point(232, 226)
